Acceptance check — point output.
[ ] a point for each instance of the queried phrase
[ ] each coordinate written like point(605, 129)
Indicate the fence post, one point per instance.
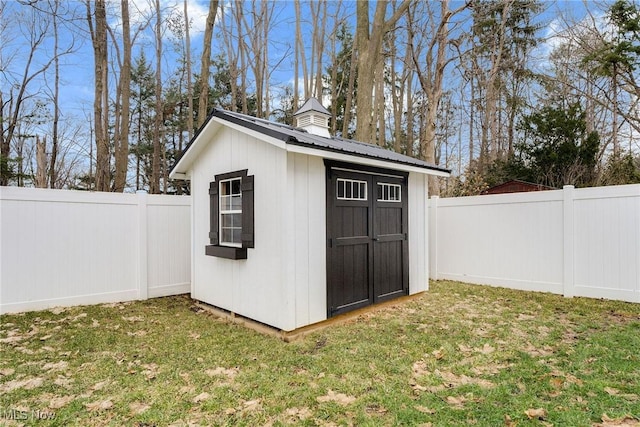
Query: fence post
point(143, 286)
point(433, 238)
point(568, 241)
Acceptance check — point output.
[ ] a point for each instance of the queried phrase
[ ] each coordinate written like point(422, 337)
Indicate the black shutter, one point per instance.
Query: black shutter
point(247, 212)
point(214, 213)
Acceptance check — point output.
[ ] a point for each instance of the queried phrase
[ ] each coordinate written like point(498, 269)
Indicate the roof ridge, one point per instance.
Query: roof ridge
point(260, 120)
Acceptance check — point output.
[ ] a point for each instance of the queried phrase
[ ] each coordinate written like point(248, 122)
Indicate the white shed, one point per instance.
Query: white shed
point(291, 226)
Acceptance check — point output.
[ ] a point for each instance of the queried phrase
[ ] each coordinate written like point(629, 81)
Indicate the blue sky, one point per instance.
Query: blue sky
point(77, 68)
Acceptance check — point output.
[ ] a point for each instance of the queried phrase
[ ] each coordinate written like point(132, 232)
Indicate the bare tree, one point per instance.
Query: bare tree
point(205, 63)
point(97, 20)
point(187, 26)
point(431, 72)
point(121, 139)
point(369, 38)
point(157, 127)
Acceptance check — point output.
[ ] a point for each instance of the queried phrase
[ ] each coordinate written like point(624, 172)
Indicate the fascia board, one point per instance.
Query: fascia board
point(331, 155)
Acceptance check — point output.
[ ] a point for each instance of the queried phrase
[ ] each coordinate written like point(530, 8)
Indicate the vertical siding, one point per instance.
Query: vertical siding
point(253, 287)
point(418, 234)
point(62, 247)
point(309, 238)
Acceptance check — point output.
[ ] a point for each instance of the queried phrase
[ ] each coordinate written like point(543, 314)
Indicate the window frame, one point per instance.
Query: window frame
point(353, 184)
point(223, 212)
point(218, 247)
point(388, 186)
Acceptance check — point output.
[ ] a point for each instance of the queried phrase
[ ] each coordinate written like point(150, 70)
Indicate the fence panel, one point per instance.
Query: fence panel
point(607, 242)
point(583, 242)
point(61, 248)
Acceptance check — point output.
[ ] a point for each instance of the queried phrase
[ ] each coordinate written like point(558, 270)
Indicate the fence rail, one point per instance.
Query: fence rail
point(61, 248)
point(574, 242)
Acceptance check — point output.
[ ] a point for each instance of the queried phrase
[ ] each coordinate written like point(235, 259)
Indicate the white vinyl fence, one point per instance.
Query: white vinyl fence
point(62, 248)
point(574, 242)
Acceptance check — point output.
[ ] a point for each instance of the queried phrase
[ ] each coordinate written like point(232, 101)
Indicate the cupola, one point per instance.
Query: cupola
point(313, 118)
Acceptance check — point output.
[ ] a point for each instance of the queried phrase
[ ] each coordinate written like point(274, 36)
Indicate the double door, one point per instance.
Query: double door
point(367, 248)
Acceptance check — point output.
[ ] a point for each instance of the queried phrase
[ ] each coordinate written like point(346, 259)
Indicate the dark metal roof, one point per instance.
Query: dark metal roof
point(312, 104)
point(300, 137)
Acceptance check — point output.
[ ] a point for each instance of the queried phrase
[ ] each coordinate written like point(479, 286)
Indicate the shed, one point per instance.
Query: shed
point(291, 226)
point(516, 186)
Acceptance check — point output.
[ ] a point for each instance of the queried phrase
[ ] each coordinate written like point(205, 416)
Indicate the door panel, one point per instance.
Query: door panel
point(390, 273)
point(367, 258)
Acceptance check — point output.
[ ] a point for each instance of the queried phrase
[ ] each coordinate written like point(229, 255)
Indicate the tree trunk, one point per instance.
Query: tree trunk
point(205, 63)
point(53, 176)
point(352, 82)
point(157, 128)
point(369, 41)
point(41, 163)
point(124, 89)
point(100, 102)
point(189, 74)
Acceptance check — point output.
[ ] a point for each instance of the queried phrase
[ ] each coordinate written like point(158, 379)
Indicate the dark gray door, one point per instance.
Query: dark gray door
point(367, 252)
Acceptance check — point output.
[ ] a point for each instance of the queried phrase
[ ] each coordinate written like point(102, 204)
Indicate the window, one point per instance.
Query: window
point(351, 189)
point(231, 215)
point(389, 192)
point(231, 212)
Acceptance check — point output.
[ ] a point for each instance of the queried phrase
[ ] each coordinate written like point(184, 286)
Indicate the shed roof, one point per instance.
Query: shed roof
point(298, 140)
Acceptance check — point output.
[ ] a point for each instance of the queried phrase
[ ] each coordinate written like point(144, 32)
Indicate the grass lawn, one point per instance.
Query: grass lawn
point(456, 355)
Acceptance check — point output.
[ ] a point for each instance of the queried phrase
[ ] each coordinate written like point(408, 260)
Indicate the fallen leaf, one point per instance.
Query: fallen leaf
point(419, 368)
point(425, 410)
point(58, 366)
point(464, 348)
point(339, 398)
point(138, 408)
point(63, 381)
point(44, 338)
point(456, 401)
point(508, 422)
point(539, 413)
point(6, 372)
point(133, 319)
point(224, 372)
point(298, 413)
point(202, 396)
point(486, 349)
point(151, 370)
point(59, 402)
point(79, 316)
point(611, 391)
point(624, 421)
point(100, 385)
point(101, 405)
point(439, 353)
point(251, 405)
point(27, 384)
point(187, 389)
point(194, 336)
